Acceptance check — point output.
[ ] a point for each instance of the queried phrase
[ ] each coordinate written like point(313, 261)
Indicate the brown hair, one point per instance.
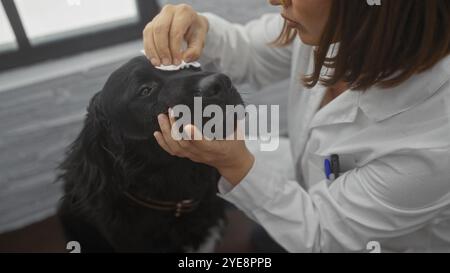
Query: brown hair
point(379, 45)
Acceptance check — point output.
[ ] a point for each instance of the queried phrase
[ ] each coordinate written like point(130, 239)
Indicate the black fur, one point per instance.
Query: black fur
point(116, 151)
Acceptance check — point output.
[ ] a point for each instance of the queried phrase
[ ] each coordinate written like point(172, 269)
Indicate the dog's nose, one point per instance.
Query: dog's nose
point(214, 84)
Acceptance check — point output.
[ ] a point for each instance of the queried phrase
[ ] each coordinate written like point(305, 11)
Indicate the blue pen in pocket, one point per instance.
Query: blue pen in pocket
point(332, 167)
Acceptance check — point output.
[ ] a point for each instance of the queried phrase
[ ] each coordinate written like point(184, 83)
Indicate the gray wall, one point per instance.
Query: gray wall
point(37, 122)
point(239, 11)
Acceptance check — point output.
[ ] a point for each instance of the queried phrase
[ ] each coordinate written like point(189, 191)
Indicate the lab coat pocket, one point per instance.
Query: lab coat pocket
point(316, 167)
point(347, 162)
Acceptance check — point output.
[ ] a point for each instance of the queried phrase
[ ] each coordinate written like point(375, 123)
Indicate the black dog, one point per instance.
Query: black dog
point(123, 193)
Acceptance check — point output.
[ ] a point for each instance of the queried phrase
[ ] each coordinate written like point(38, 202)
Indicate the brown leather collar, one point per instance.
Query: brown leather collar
point(180, 207)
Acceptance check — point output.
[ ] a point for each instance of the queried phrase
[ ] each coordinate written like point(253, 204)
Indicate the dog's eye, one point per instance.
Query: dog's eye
point(146, 91)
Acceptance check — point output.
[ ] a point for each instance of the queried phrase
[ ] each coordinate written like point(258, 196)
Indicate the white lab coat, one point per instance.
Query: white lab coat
point(395, 146)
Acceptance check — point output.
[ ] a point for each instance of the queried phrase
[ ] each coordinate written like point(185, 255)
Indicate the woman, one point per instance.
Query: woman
point(369, 89)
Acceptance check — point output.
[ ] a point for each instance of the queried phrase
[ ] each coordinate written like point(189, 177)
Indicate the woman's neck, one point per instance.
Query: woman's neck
point(333, 92)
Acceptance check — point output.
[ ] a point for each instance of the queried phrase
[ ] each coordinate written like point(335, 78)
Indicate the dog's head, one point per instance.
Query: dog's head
point(137, 92)
point(117, 137)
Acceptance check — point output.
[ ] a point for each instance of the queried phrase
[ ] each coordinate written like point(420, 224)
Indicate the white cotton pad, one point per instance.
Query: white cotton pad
point(183, 65)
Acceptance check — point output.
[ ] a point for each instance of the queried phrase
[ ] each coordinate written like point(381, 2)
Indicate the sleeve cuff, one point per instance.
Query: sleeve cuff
point(255, 191)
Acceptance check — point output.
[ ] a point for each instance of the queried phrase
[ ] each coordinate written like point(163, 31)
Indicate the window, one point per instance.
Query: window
point(47, 20)
point(7, 38)
point(44, 29)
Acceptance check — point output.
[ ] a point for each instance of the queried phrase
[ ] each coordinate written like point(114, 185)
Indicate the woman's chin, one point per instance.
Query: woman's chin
point(307, 39)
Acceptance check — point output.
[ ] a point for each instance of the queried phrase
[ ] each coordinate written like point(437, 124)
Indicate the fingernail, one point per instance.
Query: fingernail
point(160, 118)
point(166, 61)
point(155, 62)
point(170, 112)
point(177, 62)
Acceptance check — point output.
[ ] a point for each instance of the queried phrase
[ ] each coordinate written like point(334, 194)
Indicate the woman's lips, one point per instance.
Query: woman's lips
point(291, 23)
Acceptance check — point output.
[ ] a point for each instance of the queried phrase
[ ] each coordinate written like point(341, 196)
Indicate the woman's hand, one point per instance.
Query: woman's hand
point(164, 35)
point(230, 157)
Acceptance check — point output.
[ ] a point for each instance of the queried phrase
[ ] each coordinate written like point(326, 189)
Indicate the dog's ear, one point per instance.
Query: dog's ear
point(87, 163)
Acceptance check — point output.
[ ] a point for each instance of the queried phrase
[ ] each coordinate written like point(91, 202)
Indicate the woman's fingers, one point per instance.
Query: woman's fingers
point(182, 21)
point(195, 42)
point(150, 47)
point(166, 131)
point(180, 148)
point(181, 138)
point(161, 30)
point(191, 149)
point(202, 144)
point(163, 36)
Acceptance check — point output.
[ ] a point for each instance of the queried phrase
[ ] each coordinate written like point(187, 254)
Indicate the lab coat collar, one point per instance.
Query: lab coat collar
point(343, 109)
point(377, 103)
point(380, 104)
